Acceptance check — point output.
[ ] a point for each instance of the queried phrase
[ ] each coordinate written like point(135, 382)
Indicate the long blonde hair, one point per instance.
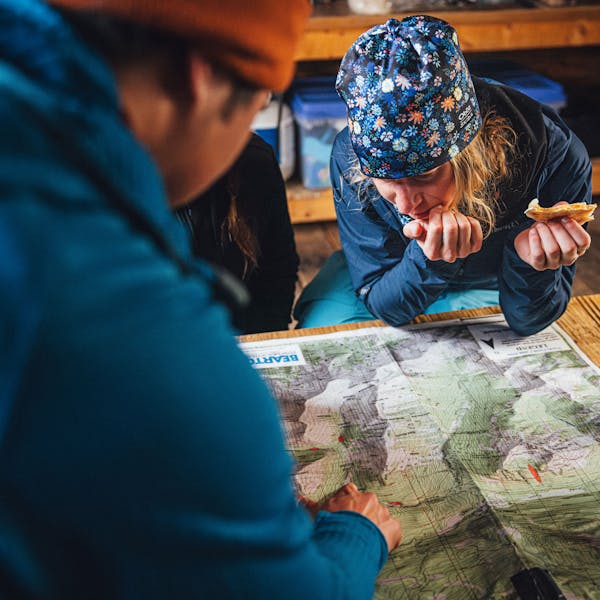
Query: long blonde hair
point(478, 171)
point(481, 167)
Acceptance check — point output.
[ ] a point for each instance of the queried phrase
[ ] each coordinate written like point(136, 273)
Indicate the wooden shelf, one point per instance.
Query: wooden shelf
point(596, 175)
point(332, 29)
point(311, 206)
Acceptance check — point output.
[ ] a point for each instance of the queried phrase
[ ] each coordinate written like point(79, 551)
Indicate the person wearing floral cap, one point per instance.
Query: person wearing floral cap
point(431, 179)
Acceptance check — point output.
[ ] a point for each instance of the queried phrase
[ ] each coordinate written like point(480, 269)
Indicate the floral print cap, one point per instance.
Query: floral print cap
point(410, 99)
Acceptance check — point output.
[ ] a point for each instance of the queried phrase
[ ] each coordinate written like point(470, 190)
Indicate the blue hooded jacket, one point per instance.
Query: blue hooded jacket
point(140, 454)
point(395, 279)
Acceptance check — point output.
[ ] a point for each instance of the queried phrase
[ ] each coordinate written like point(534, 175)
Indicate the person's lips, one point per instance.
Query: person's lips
point(421, 216)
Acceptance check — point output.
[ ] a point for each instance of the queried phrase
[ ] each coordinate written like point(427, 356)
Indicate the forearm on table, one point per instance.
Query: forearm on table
point(531, 300)
point(407, 289)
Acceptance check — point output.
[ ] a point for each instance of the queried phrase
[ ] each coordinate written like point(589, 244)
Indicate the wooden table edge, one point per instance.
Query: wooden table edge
point(581, 321)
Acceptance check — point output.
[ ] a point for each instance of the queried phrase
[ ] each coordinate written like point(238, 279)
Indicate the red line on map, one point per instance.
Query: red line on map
point(535, 473)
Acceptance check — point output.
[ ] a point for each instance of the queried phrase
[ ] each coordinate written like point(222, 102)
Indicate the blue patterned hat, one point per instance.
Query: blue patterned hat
point(410, 99)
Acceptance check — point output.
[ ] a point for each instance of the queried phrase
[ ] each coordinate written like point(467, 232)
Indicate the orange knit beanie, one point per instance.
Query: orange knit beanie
point(253, 39)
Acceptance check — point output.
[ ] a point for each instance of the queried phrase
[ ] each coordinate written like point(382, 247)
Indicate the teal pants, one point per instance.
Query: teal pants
point(329, 299)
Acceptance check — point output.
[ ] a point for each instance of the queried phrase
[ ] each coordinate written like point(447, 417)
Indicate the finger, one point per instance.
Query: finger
point(580, 236)
point(450, 237)
point(536, 251)
point(476, 234)
point(306, 502)
point(464, 247)
point(414, 230)
point(433, 241)
point(567, 245)
point(392, 532)
point(550, 246)
point(349, 488)
point(309, 505)
point(389, 527)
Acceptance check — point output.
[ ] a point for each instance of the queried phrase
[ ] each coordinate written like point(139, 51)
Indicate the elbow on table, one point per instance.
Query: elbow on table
point(529, 323)
point(391, 318)
point(525, 328)
point(395, 321)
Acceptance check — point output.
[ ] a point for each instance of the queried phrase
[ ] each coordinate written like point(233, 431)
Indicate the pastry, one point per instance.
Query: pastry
point(578, 211)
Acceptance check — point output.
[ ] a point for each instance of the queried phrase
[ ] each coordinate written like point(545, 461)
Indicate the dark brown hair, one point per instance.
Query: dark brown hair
point(237, 226)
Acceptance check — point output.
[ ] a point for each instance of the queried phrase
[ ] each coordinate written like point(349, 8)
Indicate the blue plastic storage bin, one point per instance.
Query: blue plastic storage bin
point(320, 114)
point(533, 84)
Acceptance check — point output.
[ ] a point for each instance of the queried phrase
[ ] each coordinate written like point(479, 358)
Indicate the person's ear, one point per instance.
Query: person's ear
point(188, 79)
point(207, 90)
point(199, 77)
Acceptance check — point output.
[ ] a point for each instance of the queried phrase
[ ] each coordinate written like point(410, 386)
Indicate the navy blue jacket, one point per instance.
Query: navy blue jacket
point(394, 278)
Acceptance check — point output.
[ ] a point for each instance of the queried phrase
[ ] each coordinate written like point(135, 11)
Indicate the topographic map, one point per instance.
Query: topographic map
point(485, 445)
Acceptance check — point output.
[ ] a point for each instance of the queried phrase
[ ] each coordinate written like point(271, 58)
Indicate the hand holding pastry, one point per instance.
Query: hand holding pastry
point(556, 238)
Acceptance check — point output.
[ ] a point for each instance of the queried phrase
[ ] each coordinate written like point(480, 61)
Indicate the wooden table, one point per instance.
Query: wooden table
point(581, 321)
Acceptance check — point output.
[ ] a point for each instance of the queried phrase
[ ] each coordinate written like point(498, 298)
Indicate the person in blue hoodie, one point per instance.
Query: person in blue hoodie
point(431, 179)
point(140, 454)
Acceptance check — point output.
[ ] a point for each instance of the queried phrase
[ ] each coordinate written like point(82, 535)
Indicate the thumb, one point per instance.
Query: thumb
point(414, 230)
point(310, 505)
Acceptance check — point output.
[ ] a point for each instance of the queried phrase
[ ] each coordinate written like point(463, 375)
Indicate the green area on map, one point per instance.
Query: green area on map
point(492, 466)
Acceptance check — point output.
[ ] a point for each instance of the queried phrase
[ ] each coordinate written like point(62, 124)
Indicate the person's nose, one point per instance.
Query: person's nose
point(404, 196)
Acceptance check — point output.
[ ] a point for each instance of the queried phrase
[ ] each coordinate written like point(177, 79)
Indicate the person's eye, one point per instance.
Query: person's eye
point(426, 178)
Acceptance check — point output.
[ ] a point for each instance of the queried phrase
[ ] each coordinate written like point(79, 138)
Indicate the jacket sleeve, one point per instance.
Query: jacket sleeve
point(389, 272)
point(531, 299)
point(164, 465)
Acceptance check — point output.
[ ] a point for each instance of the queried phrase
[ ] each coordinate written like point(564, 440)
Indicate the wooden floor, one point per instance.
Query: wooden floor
point(315, 242)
